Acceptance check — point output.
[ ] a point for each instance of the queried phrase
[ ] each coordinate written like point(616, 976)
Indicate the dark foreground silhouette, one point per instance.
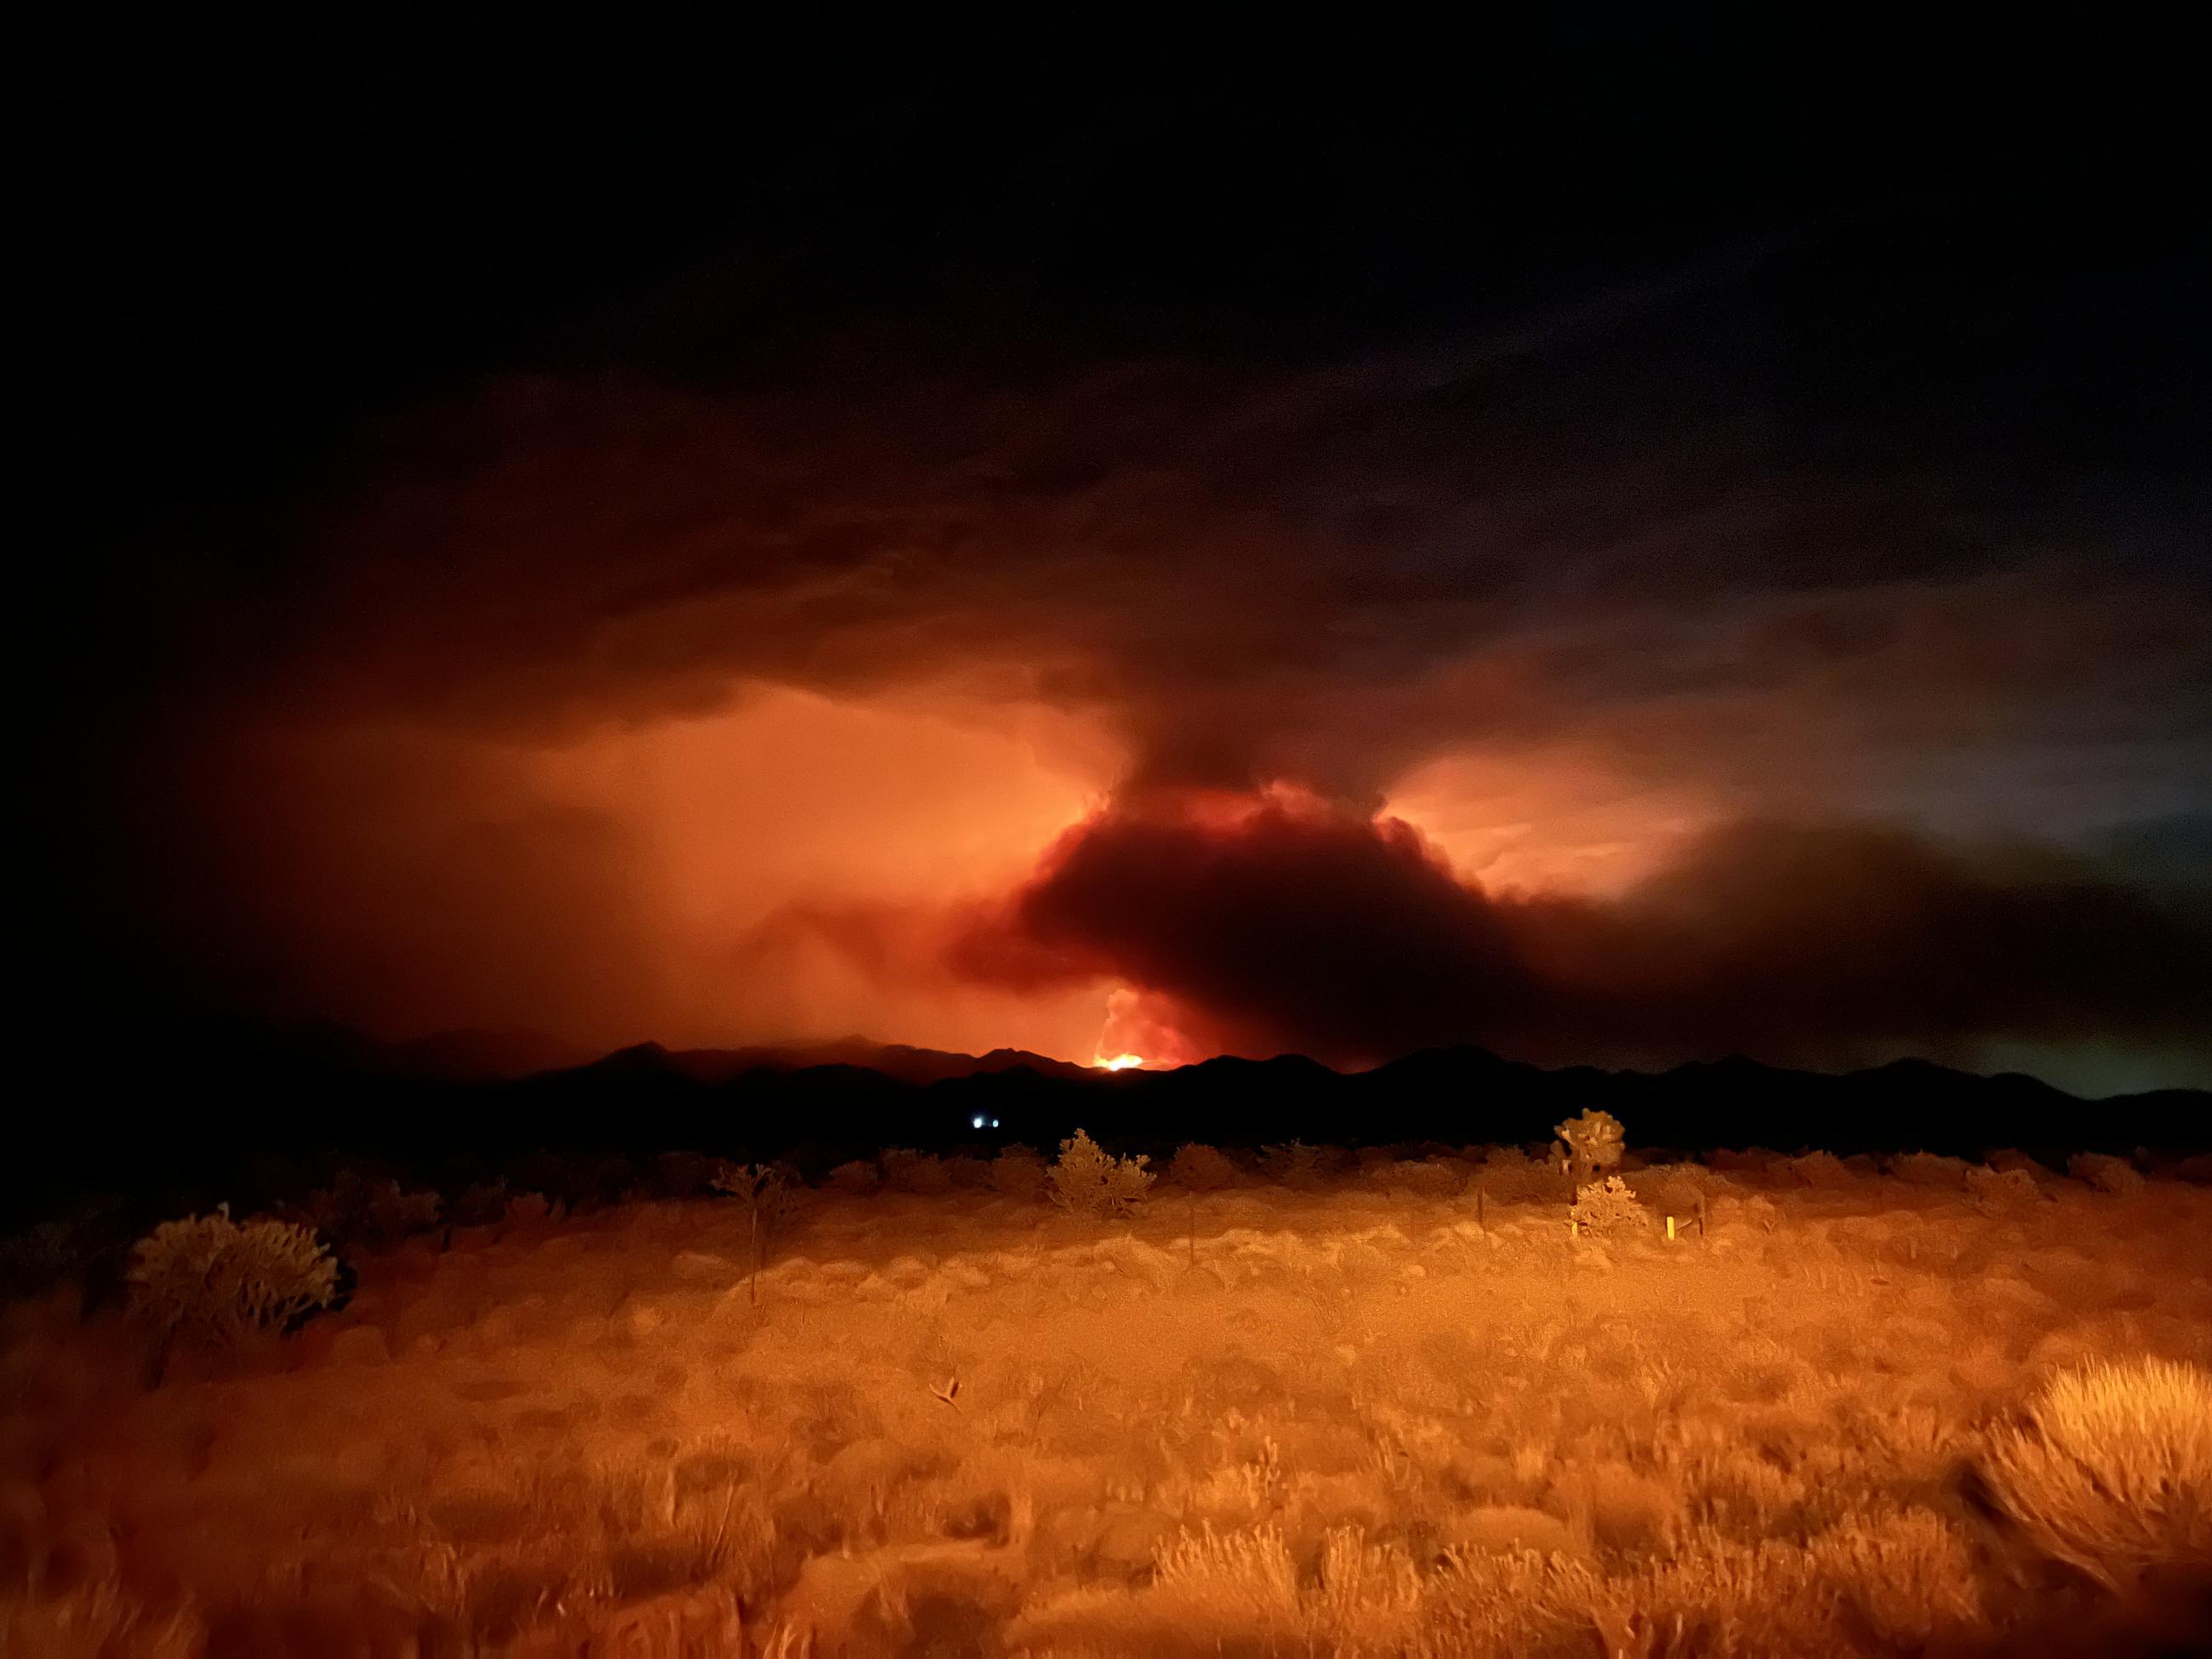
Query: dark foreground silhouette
point(249, 1114)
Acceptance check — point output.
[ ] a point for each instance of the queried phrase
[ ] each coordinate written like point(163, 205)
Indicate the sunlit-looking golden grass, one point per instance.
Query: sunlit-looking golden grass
point(1365, 1414)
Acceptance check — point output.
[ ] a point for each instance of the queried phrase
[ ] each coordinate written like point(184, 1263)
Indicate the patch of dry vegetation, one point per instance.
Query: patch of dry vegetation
point(208, 1281)
point(1397, 1409)
point(1609, 1208)
point(2113, 1471)
point(1088, 1181)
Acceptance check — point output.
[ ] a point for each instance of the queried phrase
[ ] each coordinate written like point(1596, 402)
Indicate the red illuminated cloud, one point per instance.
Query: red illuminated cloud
point(580, 696)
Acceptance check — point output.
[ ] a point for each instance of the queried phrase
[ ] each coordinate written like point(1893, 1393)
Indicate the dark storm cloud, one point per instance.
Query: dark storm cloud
point(1326, 573)
point(1702, 415)
point(1285, 924)
point(1601, 531)
point(1575, 533)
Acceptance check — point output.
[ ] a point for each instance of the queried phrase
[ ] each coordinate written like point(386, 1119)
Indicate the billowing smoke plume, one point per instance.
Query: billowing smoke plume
point(1280, 922)
point(582, 694)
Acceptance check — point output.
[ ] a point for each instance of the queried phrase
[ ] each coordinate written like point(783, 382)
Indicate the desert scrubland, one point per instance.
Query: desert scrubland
point(1305, 1405)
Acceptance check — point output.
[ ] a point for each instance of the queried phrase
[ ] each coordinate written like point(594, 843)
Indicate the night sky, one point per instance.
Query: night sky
point(1652, 535)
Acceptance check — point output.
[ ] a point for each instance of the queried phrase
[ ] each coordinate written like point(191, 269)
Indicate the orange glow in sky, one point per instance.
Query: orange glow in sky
point(1565, 818)
point(792, 800)
point(781, 868)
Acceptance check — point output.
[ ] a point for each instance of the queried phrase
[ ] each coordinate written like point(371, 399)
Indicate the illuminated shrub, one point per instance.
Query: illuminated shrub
point(1089, 1181)
point(1595, 1143)
point(2111, 1472)
point(855, 1180)
point(2107, 1174)
point(1198, 1168)
point(1675, 1189)
point(1900, 1582)
point(208, 1281)
point(1607, 1208)
point(1018, 1172)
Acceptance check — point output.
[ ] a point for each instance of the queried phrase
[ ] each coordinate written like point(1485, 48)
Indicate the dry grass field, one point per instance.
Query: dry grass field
point(1394, 1407)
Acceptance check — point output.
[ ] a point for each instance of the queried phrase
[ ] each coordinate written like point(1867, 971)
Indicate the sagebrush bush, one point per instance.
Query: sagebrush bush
point(1089, 1181)
point(1018, 1172)
point(1197, 1168)
point(1885, 1583)
point(1608, 1207)
point(2111, 1472)
point(209, 1280)
point(1676, 1189)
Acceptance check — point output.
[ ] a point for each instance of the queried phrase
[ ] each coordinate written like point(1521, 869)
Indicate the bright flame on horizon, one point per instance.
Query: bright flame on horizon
point(1118, 1062)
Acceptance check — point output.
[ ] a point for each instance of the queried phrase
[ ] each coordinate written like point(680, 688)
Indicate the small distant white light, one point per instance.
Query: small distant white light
point(994, 1123)
point(977, 1121)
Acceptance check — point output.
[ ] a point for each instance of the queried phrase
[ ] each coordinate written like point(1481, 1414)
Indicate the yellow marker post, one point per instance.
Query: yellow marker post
point(1670, 1229)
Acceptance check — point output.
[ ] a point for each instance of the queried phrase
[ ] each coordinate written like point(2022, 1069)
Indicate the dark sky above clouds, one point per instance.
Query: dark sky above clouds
point(1630, 538)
